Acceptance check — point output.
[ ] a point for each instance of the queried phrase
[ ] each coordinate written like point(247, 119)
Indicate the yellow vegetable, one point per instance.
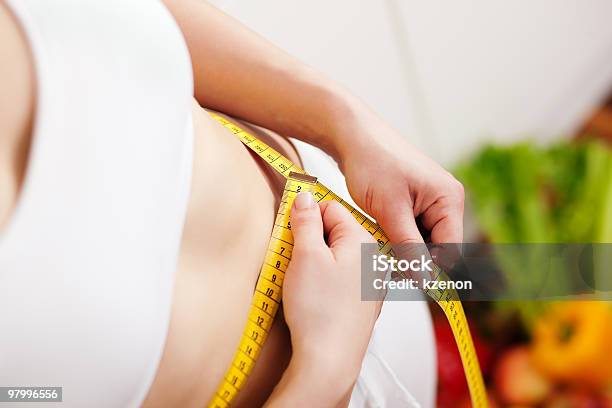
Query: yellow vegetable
point(572, 342)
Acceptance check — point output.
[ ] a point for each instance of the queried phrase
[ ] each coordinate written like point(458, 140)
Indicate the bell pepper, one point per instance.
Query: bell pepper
point(572, 343)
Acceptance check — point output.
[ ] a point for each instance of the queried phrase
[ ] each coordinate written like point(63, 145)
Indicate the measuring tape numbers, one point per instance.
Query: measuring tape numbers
point(268, 290)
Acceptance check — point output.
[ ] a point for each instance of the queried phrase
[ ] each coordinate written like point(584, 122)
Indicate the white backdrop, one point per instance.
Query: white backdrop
point(451, 75)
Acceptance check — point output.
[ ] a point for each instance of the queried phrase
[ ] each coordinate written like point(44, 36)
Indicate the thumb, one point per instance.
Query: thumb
point(341, 228)
point(306, 222)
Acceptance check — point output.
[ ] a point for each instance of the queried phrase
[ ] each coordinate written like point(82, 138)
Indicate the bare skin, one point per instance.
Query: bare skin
point(218, 267)
point(17, 88)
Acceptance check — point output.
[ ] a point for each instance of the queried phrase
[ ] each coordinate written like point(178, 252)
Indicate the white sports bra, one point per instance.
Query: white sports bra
point(88, 258)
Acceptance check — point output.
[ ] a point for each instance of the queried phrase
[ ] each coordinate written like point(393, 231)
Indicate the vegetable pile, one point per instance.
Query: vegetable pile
point(524, 193)
point(539, 354)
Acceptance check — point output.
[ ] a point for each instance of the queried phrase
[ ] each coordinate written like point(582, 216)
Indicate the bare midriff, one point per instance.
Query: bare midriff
point(234, 197)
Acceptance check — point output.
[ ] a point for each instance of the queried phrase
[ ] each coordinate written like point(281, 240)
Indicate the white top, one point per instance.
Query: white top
point(87, 260)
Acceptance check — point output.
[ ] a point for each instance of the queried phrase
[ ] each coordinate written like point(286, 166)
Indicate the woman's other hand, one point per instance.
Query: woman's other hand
point(329, 323)
point(397, 184)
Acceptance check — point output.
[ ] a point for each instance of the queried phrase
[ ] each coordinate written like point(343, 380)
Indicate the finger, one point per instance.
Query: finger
point(448, 230)
point(444, 219)
point(340, 227)
point(399, 224)
point(446, 256)
point(401, 228)
point(306, 222)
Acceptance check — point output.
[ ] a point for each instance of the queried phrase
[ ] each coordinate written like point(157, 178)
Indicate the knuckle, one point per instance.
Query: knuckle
point(458, 188)
point(457, 191)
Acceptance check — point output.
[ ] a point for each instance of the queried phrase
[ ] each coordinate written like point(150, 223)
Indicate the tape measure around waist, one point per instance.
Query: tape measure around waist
point(268, 290)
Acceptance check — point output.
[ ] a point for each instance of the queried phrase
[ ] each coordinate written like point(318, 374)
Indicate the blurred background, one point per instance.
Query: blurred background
point(514, 98)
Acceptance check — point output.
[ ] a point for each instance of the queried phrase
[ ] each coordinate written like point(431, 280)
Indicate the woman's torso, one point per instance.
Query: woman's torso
point(100, 249)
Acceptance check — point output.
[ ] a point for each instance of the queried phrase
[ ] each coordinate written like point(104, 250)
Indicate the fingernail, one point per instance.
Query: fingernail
point(304, 201)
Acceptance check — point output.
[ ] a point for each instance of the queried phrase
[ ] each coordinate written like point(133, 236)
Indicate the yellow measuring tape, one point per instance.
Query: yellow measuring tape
point(268, 289)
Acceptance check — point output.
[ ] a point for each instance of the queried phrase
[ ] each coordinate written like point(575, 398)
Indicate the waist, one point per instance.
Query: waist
point(231, 212)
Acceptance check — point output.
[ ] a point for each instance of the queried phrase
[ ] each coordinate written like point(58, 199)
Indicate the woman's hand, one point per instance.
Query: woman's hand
point(396, 184)
point(329, 323)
